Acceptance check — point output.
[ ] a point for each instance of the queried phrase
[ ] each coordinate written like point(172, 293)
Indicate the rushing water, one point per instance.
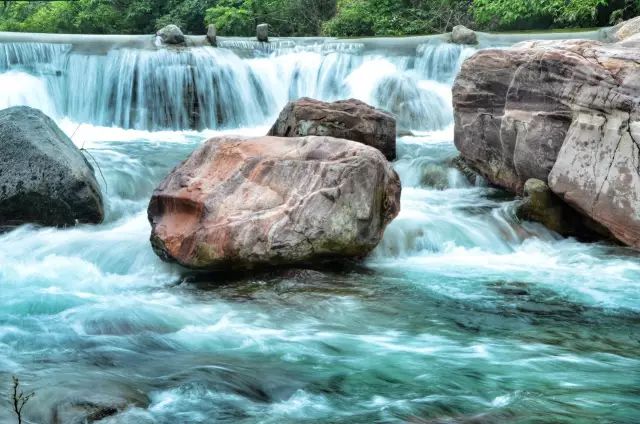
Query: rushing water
point(462, 314)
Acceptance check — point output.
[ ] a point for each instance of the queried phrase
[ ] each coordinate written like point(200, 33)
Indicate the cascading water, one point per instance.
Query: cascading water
point(462, 314)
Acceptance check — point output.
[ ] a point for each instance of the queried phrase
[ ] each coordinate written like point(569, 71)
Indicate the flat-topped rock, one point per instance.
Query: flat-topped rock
point(348, 119)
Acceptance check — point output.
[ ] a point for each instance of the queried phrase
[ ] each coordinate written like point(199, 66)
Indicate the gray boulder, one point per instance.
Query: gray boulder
point(348, 119)
point(171, 34)
point(44, 178)
point(262, 32)
point(463, 35)
point(623, 30)
point(239, 203)
point(211, 35)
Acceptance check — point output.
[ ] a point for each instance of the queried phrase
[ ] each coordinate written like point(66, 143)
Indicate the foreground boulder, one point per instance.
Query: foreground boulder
point(44, 178)
point(171, 34)
point(564, 112)
point(248, 202)
point(348, 119)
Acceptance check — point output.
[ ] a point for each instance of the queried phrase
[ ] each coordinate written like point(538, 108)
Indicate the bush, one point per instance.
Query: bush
point(397, 17)
point(507, 13)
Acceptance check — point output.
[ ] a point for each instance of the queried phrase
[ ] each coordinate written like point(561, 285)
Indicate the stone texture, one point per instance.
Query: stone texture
point(212, 35)
point(565, 112)
point(544, 206)
point(44, 177)
point(624, 30)
point(348, 119)
point(598, 170)
point(249, 202)
point(171, 34)
point(463, 35)
point(262, 32)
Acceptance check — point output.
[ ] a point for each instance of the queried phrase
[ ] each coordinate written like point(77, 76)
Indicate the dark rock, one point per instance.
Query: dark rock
point(44, 178)
point(171, 34)
point(211, 35)
point(463, 35)
point(262, 33)
point(469, 173)
point(348, 119)
point(240, 203)
point(542, 205)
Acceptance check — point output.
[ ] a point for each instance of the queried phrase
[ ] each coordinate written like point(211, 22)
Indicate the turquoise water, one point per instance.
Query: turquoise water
point(462, 314)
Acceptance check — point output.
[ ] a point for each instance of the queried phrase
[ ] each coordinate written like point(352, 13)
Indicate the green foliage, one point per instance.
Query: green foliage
point(285, 17)
point(343, 18)
point(232, 17)
point(397, 17)
point(506, 13)
point(353, 19)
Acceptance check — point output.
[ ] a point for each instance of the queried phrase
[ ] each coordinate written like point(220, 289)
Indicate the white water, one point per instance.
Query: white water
point(461, 313)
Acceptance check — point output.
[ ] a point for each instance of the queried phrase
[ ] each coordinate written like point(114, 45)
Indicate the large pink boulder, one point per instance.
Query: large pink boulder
point(246, 202)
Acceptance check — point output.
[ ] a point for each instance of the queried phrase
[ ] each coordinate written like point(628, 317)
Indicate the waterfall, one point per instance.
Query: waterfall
point(243, 83)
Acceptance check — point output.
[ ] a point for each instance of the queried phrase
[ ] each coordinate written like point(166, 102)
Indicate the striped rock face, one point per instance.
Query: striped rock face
point(564, 112)
point(246, 202)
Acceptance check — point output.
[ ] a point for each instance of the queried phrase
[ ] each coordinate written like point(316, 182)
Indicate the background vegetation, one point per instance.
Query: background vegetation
point(309, 17)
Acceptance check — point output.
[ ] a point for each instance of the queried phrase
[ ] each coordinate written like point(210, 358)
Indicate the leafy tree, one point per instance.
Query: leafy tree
point(397, 17)
point(233, 17)
point(285, 17)
point(308, 17)
point(505, 13)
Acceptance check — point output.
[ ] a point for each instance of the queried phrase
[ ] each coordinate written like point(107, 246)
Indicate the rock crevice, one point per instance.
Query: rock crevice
point(562, 112)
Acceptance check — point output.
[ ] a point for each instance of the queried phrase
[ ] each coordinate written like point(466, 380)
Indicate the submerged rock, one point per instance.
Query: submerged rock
point(348, 119)
point(248, 202)
point(463, 35)
point(171, 34)
point(565, 112)
point(542, 205)
point(44, 178)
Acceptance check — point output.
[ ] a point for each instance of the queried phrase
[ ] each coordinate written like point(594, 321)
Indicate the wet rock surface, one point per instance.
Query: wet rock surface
point(171, 34)
point(347, 119)
point(240, 203)
point(564, 112)
point(44, 177)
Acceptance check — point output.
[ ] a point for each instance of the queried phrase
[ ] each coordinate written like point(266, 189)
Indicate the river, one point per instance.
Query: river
point(462, 314)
